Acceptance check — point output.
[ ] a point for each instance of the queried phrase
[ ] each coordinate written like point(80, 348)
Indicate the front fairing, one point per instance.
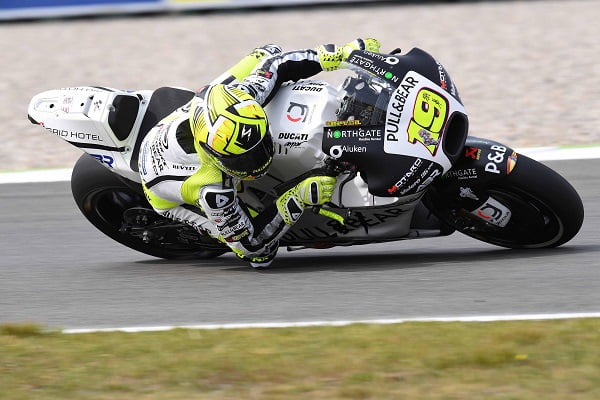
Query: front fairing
point(401, 128)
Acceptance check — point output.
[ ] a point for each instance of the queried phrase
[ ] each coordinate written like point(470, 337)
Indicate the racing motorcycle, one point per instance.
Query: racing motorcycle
point(395, 133)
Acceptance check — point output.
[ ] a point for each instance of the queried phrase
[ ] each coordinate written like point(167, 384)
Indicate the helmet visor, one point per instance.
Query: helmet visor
point(252, 164)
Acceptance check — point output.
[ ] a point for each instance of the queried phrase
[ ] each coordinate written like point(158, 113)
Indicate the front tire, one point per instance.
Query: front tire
point(103, 197)
point(546, 209)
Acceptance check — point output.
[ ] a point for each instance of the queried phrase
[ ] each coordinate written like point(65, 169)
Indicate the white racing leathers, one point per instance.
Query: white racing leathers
point(182, 183)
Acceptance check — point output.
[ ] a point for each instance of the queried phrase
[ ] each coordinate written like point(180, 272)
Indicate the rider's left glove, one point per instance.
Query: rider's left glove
point(312, 191)
point(331, 55)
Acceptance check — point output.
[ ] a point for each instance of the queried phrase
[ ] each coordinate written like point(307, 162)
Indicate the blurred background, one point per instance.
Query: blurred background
point(528, 71)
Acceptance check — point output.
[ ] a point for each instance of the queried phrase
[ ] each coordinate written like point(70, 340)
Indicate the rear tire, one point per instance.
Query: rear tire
point(103, 197)
point(546, 209)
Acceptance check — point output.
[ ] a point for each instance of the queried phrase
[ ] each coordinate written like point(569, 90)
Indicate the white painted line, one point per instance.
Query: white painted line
point(560, 153)
point(478, 318)
point(537, 153)
point(34, 176)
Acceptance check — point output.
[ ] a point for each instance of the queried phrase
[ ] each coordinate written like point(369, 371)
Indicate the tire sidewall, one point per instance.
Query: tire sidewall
point(90, 179)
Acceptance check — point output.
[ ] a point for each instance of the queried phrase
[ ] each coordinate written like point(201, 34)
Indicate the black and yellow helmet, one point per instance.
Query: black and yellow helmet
point(233, 129)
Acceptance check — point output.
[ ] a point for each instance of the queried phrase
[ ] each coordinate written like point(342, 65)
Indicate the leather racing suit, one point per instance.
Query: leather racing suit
point(182, 183)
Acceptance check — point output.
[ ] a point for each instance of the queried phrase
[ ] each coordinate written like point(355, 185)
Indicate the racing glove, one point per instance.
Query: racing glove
point(312, 191)
point(331, 55)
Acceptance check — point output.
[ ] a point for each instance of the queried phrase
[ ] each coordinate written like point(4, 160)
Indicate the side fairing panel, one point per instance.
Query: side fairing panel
point(297, 116)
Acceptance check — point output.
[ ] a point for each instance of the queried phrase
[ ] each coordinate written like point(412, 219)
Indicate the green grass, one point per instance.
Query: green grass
point(428, 360)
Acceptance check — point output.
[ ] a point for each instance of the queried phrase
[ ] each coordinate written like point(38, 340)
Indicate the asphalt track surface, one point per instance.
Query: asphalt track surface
point(57, 270)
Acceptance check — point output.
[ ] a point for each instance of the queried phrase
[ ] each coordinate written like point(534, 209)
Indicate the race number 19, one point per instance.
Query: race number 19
point(429, 116)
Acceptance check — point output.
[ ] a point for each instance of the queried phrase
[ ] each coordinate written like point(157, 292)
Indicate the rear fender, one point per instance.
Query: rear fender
point(102, 122)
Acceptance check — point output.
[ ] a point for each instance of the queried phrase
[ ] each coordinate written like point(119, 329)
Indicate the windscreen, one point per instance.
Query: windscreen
point(365, 100)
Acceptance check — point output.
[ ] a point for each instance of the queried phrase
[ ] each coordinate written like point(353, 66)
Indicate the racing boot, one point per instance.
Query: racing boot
point(262, 261)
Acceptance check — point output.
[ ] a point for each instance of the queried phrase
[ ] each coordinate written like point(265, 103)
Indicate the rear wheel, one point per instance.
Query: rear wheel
point(119, 209)
point(544, 210)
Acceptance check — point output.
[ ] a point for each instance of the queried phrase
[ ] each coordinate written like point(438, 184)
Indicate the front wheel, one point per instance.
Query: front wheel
point(118, 208)
point(532, 207)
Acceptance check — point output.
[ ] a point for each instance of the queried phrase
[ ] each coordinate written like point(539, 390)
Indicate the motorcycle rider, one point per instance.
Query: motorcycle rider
point(192, 161)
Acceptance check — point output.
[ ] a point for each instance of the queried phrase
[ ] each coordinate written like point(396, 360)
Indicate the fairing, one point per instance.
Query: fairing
point(411, 123)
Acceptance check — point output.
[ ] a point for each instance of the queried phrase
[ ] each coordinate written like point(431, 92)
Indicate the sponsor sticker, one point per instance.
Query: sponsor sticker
point(467, 193)
point(359, 133)
point(465, 173)
point(494, 212)
point(375, 64)
point(297, 112)
point(511, 163)
point(473, 153)
point(219, 199)
point(309, 87)
point(495, 157)
point(416, 119)
point(104, 159)
point(338, 140)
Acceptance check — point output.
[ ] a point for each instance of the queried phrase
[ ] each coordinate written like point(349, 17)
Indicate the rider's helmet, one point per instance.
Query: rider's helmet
point(233, 130)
